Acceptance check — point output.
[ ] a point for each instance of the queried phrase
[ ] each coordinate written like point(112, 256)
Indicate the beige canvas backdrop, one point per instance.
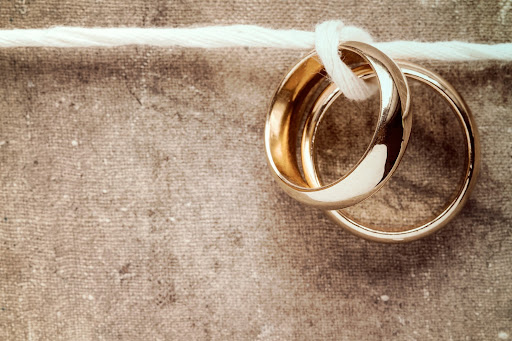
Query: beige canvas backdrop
point(135, 200)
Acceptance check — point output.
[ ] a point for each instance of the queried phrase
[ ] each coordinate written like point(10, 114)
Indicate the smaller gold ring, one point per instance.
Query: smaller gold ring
point(290, 106)
point(458, 106)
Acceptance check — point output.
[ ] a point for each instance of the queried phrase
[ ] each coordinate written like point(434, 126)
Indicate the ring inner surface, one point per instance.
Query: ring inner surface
point(342, 133)
point(298, 93)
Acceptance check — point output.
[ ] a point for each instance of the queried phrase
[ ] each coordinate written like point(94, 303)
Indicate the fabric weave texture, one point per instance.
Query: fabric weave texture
point(136, 203)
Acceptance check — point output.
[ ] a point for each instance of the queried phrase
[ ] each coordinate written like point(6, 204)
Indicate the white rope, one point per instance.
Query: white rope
point(328, 36)
point(326, 39)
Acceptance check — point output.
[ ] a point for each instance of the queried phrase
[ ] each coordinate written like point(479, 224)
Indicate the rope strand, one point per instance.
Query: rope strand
point(325, 40)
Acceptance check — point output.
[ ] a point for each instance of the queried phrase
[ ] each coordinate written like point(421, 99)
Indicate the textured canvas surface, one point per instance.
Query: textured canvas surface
point(136, 203)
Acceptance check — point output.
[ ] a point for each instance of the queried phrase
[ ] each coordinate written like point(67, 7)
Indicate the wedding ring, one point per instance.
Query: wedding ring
point(471, 137)
point(290, 106)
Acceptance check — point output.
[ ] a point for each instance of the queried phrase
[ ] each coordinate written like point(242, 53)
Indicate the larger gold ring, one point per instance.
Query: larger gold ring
point(293, 100)
point(463, 113)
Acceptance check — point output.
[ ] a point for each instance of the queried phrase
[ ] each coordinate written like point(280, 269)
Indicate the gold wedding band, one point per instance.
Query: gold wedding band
point(291, 105)
point(458, 106)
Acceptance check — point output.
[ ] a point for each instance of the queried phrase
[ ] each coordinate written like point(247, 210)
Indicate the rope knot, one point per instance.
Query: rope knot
point(328, 36)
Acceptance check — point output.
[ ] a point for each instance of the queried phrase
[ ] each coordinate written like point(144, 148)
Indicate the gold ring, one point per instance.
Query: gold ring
point(291, 105)
point(463, 113)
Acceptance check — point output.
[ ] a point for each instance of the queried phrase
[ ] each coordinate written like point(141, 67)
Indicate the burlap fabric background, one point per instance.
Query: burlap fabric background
point(136, 203)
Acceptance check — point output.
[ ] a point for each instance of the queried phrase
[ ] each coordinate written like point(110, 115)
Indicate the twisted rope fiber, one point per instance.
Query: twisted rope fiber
point(325, 40)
